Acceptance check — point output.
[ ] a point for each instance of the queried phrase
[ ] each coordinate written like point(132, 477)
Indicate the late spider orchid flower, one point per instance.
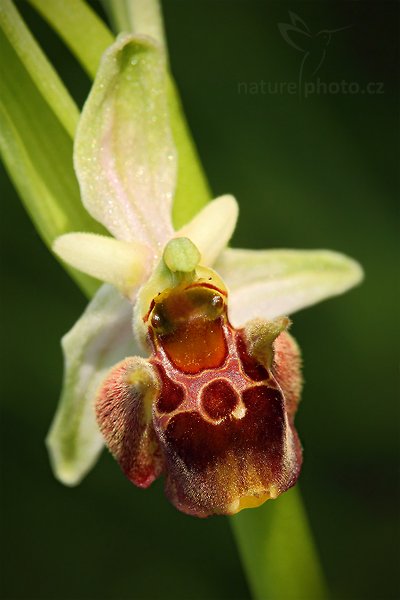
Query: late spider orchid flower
point(206, 385)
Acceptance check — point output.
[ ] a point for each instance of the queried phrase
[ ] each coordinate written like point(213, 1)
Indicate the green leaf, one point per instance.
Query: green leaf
point(40, 70)
point(192, 190)
point(125, 157)
point(36, 146)
point(277, 550)
point(98, 340)
point(80, 28)
point(271, 283)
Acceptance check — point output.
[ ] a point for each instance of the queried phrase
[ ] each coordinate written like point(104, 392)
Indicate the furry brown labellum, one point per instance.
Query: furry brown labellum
point(212, 408)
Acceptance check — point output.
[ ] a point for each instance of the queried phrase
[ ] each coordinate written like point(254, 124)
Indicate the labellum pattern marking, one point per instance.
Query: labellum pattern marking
point(229, 406)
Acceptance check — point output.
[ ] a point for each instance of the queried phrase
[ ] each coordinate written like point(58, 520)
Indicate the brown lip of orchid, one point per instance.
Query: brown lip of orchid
point(208, 395)
point(212, 409)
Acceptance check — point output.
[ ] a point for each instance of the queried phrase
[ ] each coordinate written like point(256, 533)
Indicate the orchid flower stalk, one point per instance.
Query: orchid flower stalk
point(182, 363)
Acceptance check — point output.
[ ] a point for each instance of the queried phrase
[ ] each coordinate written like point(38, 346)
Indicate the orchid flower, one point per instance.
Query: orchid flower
point(181, 364)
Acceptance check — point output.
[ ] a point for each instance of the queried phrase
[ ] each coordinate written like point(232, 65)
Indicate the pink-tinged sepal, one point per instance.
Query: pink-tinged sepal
point(124, 414)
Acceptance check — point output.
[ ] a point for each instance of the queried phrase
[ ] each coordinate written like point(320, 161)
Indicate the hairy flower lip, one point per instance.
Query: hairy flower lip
point(225, 437)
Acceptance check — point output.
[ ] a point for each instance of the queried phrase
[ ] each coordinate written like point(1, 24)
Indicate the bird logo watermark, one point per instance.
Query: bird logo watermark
point(313, 46)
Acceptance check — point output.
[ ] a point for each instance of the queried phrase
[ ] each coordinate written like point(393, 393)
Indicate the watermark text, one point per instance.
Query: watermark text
point(309, 88)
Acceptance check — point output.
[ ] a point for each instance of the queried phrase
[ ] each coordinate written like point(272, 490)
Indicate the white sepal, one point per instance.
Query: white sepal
point(271, 283)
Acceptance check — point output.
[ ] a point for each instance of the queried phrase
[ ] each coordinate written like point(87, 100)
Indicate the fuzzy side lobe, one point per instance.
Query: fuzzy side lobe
point(124, 415)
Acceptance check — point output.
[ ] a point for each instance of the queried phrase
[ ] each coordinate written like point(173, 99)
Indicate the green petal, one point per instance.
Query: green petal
point(123, 264)
point(36, 120)
point(212, 228)
point(125, 157)
point(102, 337)
point(271, 283)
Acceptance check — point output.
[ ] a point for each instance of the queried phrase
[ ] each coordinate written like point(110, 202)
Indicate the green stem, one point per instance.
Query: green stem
point(278, 552)
point(117, 13)
point(137, 16)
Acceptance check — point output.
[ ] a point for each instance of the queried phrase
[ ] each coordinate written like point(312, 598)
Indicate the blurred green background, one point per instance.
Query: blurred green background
point(316, 172)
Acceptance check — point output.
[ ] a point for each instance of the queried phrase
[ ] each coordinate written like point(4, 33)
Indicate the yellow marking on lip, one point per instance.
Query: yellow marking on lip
point(247, 502)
